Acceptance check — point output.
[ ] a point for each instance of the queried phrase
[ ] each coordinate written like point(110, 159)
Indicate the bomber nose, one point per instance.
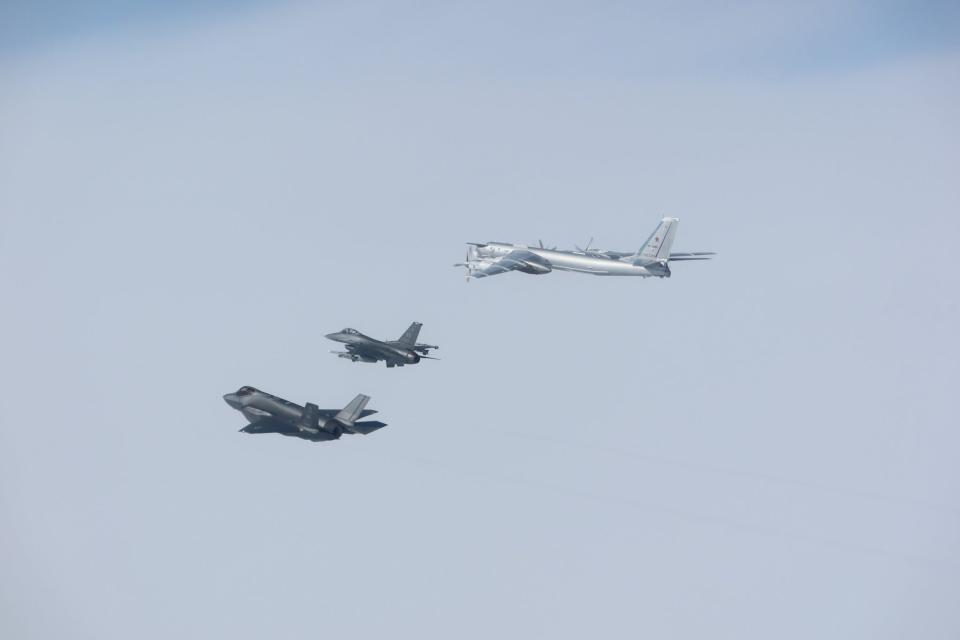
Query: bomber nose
point(233, 400)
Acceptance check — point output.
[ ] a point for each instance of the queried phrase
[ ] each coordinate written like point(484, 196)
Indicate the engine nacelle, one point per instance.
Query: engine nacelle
point(534, 268)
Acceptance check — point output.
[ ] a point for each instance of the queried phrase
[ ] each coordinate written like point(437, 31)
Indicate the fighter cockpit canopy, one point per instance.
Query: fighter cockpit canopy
point(350, 331)
point(245, 391)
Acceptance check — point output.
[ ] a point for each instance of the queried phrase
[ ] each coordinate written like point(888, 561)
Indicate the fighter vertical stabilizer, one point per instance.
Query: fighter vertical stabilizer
point(409, 337)
point(349, 414)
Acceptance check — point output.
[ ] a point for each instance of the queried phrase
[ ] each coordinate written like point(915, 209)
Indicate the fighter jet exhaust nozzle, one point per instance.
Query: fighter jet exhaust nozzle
point(412, 357)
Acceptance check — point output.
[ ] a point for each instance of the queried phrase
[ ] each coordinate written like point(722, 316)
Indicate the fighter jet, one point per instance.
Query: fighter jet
point(396, 353)
point(652, 259)
point(270, 414)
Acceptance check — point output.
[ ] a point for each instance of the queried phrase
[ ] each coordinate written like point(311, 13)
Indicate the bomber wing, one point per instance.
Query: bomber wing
point(516, 260)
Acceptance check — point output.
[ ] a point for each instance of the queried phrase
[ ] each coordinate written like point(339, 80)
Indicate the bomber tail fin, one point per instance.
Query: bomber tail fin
point(657, 246)
point(348, 415)
point(409, 337)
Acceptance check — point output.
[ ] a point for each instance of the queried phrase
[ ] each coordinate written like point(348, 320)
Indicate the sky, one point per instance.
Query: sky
point(763, 445)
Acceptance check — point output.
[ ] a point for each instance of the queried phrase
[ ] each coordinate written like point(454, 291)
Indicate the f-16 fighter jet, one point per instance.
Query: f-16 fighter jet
point(397, 353)
point(652, 259)
point(270, 414)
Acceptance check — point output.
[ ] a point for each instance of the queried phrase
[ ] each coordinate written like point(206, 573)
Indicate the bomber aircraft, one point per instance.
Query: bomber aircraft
point(652, 259)
point(270, 414)
point(396, 353)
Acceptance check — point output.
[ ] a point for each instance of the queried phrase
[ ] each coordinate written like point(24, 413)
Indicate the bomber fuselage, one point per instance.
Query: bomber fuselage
point(573, 261)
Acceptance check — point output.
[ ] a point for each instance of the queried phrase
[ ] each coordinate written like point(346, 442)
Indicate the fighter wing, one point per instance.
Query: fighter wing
point(329, 413)
point(263, 425)
point(516, 260)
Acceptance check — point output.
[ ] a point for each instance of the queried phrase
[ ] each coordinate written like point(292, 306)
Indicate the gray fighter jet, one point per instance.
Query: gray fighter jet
point(396, 353)
point(270, 414)
point(651, 260)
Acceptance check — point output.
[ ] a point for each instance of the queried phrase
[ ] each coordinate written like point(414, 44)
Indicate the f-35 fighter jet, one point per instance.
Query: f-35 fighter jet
point(396, 353)
point(270, 414)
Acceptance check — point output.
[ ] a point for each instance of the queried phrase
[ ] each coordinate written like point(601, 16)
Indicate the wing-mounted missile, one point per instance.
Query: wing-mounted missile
point(424, 349)
point(353, 357)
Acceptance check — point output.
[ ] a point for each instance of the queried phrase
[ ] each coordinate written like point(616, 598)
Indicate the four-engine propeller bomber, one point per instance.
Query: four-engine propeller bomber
point(270, 414)
point(652, 259)
point(396, 353)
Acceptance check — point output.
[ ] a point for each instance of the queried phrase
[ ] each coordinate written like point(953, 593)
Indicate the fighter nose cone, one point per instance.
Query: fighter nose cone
point(333, 336)
point(232, 399)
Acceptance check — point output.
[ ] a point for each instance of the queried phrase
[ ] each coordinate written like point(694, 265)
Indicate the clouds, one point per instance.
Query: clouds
point(505, 40)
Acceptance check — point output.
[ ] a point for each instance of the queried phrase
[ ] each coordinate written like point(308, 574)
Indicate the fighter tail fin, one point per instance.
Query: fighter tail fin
point(348, 415)
point(409, 337)
point(657, 246)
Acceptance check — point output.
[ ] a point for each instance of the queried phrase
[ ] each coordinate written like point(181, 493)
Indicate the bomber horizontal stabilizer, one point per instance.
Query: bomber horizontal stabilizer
point(693, 255)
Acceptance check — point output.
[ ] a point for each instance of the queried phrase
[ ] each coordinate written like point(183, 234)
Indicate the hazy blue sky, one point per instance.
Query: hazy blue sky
point(762, 446)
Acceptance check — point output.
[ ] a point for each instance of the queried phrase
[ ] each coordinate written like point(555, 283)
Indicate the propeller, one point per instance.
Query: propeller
point(553, 248)
point(587, 250)
point(466, 262)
